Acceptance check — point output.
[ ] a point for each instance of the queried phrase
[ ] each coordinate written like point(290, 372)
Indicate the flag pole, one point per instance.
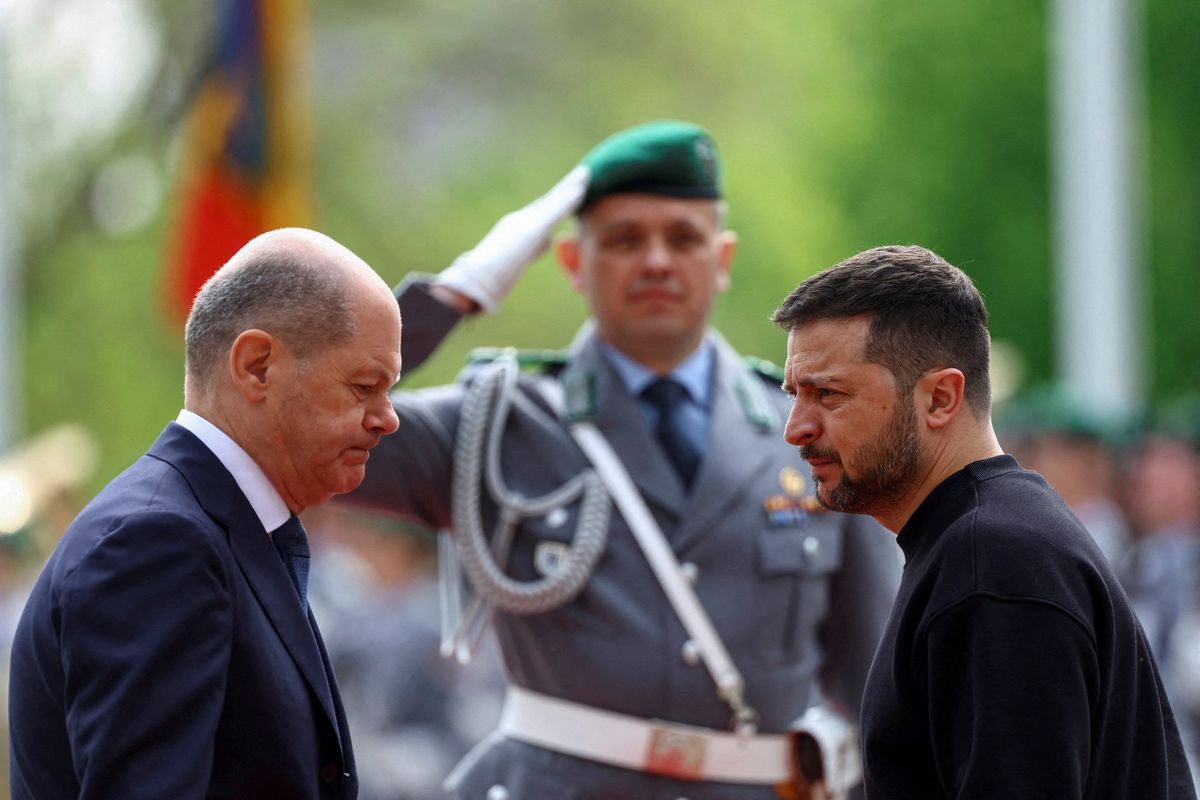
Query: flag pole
point(1097, 192)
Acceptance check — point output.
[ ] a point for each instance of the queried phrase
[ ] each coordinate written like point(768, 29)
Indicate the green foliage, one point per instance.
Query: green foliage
point(1173, 166)
point(98, 347)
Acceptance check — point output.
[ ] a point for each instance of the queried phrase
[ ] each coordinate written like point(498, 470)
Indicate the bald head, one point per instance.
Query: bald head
point(296, 284)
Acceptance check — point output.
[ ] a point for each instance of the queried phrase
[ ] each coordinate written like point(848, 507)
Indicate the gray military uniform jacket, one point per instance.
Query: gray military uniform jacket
point(798, 598)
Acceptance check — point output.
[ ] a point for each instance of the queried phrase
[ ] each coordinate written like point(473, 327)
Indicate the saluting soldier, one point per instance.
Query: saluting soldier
point(620, 685)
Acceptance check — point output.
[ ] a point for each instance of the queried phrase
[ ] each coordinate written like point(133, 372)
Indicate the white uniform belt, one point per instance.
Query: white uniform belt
point(666, 748)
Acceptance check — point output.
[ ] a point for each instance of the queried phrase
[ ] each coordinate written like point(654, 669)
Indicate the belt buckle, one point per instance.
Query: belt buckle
point(675, 752)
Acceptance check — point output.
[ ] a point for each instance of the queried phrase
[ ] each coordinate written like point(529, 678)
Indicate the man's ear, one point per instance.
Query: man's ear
point(566, 250)
point(940, 396)
point(728, 245)
point(250, 358)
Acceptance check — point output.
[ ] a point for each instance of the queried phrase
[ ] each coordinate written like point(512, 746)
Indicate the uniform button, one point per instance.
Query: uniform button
point(811, 546)
point(557, 518)
point(330, 772)
point(497, 792)
point(690, 571)
point(691, 652)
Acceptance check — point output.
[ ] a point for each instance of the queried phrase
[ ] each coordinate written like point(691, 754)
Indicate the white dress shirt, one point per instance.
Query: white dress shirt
point(267, 503)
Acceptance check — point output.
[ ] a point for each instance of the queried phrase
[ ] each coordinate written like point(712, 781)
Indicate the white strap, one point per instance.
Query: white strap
point(666, 568)
point(647, 745)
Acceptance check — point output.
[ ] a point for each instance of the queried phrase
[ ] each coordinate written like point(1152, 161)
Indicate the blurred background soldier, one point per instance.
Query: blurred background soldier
point(610, 695)
point(1067, 440)
point(1162, 574)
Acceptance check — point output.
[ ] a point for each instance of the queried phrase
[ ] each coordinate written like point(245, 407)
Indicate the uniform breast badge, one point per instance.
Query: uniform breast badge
point(790, 509)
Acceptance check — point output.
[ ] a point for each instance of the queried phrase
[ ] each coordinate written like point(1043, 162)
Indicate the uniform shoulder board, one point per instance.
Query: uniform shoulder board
point(754, 397)
point(550, 361)
point(768, 370)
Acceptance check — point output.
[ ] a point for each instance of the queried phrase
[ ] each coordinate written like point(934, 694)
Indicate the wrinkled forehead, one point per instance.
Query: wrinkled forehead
point(825, 344)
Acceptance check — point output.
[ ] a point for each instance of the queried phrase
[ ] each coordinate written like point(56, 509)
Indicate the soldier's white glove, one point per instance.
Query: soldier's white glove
point(487, 272)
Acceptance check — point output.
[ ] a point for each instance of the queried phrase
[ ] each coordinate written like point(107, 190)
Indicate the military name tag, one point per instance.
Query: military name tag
point(676, 753)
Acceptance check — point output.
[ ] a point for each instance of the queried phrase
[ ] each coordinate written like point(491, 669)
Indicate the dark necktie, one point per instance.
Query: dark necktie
point(292, 544)
point(666, 395)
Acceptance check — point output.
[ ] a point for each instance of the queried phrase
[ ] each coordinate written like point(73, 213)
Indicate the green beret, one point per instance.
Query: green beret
point(1178, 418)
point(1054, 409)
point(677, 159)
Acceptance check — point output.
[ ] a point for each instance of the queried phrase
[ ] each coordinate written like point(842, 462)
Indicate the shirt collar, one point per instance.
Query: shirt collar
point(694, 372)
point(266, 501)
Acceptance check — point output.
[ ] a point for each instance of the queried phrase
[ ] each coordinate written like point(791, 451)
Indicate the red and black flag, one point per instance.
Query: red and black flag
point(245, 165)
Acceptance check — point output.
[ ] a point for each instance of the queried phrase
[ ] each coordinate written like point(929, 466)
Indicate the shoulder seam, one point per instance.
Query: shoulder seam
point(125, 519)
point(1081, 624)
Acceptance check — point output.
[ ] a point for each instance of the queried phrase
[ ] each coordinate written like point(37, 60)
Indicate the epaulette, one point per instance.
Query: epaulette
point(539, 360)
point(769, 370)
point(756, 398)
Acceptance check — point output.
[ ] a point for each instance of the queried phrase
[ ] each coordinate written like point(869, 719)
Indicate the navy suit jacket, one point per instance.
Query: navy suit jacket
point(165, 654)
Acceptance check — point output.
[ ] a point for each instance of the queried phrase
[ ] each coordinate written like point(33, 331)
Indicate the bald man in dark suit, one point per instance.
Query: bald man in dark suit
point(167, 649)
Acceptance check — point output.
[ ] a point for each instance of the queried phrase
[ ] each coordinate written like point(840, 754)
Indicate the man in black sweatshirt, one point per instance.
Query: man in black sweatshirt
point(1012, 665)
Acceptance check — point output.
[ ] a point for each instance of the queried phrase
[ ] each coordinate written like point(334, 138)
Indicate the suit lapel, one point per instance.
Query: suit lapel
point(221, 498)
point(260, 563)
point(738, 449)
point(618, 417)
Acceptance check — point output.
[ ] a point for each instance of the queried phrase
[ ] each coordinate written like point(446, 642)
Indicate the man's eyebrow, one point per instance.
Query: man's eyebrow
point(617, 224)
point(789, 386)
point(379, 374)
